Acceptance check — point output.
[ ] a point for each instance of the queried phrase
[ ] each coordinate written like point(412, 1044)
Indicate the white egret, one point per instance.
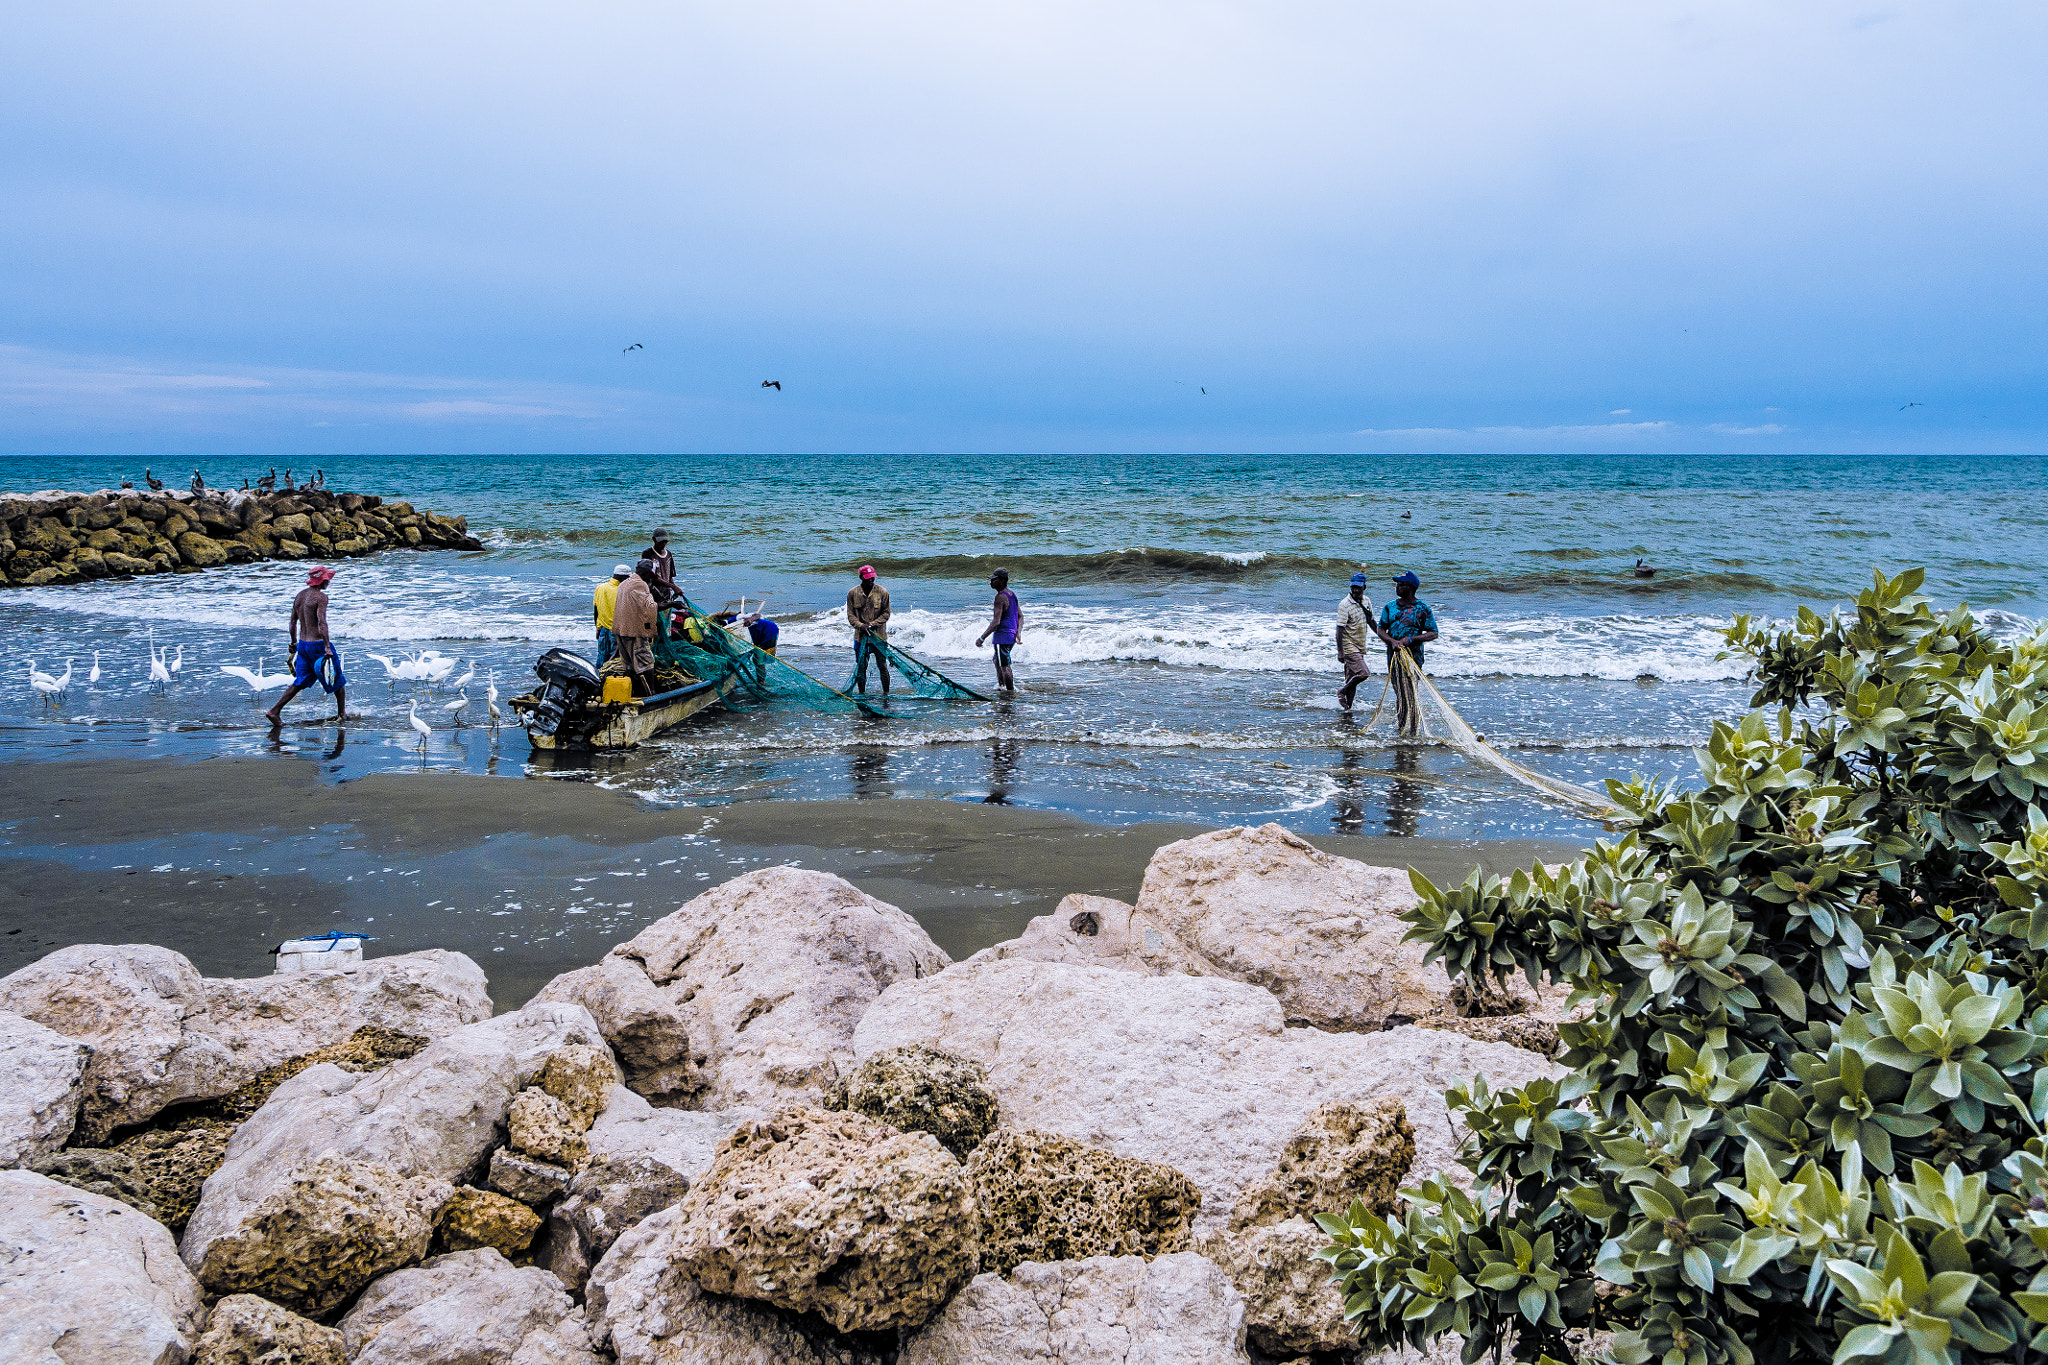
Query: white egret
point(178, 662)
point(258, 680)
point(47, 685)
point(491, 694)
point(463, 681)
point(391, 672)
point(425, 729)
point(159, 676)
point(94, 676)
point(454, 708)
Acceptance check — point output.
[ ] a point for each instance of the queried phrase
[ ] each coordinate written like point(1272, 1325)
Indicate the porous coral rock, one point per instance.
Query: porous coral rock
point(246, 1330)
point(335, 1227)
point(40, 1070)
point(541, 1125)
point(748, 995)
point(473, 1218)
point(581, 1077)
point(921, 1089)
point(1345, 1150)
point(1043, 1197)
point(89, 1279)
point(835, 1213)
point(1106, 1310)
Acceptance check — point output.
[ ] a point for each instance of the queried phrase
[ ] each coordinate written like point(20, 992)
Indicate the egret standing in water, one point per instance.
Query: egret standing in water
point(425, 729)
point(491, 694)
point(94, 676)
point(454, 708)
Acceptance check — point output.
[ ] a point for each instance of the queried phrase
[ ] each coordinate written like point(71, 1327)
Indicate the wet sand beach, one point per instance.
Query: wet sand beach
point(220, 859)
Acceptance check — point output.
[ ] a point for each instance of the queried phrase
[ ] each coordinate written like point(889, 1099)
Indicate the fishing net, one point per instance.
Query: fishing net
point(705, 649)
point(1436, 719)
point(911, 676)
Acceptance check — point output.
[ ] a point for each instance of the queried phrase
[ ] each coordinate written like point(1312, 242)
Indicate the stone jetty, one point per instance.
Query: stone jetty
point(72, 537)
point(779, 1125)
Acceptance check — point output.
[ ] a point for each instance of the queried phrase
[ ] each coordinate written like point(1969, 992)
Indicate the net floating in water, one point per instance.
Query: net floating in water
point(687, 638)
point(922, 680)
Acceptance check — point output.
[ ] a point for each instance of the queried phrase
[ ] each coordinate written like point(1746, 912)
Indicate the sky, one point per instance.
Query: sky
point(1615, 225)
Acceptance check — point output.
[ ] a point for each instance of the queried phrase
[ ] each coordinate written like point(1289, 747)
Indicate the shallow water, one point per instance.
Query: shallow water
point(1176, 662)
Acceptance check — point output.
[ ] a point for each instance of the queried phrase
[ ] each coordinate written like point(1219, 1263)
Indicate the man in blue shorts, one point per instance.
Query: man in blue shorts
point(311, 647)
point(1006, 625)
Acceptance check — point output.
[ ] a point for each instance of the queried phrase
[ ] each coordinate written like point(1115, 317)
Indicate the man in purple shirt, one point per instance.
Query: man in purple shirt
point(1005, 626)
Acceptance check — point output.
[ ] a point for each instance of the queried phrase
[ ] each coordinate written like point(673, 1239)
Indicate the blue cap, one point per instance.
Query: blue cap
point(1408, 579)
point(1358, 580)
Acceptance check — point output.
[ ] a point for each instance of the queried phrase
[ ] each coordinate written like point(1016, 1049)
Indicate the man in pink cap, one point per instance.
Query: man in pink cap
point(867, 611)
point(311, 647)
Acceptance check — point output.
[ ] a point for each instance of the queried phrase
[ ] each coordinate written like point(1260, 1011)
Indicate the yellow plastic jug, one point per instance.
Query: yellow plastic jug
point(618, 689)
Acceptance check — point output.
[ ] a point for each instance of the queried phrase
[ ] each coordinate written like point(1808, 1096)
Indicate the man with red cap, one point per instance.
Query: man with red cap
point(312, 647)
point(867, 611)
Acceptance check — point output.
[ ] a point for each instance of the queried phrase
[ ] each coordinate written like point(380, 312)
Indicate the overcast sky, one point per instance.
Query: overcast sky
point(1632, 225)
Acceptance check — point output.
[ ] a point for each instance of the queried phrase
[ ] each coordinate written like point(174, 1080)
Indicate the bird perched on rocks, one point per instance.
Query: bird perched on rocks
point(289, 486)
point(156, 485)
point(319, 479)
point(198, 484)
point(268, 483)
point(127, 483)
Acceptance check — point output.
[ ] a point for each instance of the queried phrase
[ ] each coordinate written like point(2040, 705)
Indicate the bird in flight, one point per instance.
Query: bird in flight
point(775, 384)
point(636, 346)
point(1204, 390)
point(1911, 405)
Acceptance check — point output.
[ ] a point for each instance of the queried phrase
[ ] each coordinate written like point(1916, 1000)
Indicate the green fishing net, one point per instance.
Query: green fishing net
point(708, 650)
point(911, 676)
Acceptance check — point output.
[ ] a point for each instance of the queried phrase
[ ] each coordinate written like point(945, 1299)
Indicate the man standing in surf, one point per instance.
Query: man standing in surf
point(1406, 623)
point(311, 647)
point(1354, 628)
point(1006, 625)
point(867, 611)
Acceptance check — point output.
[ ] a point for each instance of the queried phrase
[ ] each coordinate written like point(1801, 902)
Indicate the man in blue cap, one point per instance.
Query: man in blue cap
point(1406, 623)
point(1354, 626)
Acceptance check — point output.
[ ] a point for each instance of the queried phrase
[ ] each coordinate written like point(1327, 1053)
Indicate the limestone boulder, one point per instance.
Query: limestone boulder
point(89, 1279)
point(246, 1330)
point(748, 995)
point(542, 1126)
point(1320, 932)
point(1043, 1197)
point(605, 1201)
point(40, 1072)
point(467, 1308)
point(265, 1020)
point(143, 1012)
point(1106, 1310)
point(647, 1309)
point(472, 1219)
point(920, 1089)
point(1344, 1151)
point(684, 1140)
point(1197, 1072)
point(530, 1181)
point(833, 1213)
point(434, 1116)
point(1100, 932)
point(1291, 1308)
point(581, 1078)
point(201, 551)
point(157, 1170)
point(334, 1227)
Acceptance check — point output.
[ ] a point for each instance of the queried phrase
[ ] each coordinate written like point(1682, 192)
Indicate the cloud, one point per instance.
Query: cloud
point(1620, 412)
point(477, 407)
point(1768, 429)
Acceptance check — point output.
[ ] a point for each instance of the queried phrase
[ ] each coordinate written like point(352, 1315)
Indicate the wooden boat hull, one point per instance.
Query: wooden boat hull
point(626, 724)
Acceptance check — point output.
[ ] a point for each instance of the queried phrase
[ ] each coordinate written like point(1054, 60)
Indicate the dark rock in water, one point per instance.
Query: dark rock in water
point(1044, 1197)
point(921, 1089)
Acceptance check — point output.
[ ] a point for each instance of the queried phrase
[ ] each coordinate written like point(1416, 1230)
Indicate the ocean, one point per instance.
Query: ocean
point(1177, 659)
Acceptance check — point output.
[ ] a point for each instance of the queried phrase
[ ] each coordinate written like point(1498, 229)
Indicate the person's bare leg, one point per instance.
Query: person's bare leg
point(882, 668)
point(275, 715)
point(340, 705)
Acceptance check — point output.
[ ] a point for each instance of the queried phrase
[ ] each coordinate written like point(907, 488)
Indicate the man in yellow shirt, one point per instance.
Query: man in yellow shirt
point(602, 603)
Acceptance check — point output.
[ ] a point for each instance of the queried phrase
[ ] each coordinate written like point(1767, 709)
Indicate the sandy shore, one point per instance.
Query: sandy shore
point(222, 859)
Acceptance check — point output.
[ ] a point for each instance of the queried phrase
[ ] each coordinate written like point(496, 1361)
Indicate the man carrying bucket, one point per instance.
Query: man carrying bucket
point(867, 611)
point(314, 657)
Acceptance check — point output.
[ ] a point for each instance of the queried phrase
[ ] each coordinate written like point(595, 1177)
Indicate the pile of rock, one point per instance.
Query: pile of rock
point(71, 537)
point(778, 1125)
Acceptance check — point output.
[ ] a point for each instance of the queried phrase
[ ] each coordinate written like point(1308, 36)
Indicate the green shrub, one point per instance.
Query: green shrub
point(1803, 1118)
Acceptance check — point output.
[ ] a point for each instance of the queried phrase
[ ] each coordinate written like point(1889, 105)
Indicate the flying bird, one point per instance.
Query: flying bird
point(1204, 390)
point(775, 384)
point(636, 346)
point(1903, 407)
point(258, 680)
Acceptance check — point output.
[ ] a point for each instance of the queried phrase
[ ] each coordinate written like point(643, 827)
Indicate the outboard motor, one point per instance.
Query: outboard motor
point(567, 679)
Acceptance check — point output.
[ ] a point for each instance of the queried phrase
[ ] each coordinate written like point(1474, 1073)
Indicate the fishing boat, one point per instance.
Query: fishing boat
point(568, 711)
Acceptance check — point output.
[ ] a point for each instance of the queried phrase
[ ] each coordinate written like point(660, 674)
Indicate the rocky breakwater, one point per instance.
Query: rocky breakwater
point(777, 1126)
point(73, 537)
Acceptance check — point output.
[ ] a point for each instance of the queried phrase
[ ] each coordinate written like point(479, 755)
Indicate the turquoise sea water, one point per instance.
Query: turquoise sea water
point(1177, 658)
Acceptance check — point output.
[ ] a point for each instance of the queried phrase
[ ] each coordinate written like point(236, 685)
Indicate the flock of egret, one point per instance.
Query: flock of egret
point(428, 666)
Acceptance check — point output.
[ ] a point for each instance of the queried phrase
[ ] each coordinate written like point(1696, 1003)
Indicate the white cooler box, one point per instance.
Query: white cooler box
point(312, 954)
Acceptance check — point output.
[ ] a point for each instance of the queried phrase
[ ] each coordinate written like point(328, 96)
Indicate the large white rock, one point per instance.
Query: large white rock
point(162, 1034)
point(641, 1303)
point(265, 1020)
point(1106, 1310)
point(433, 1116)
point(748, 995)
point(88, 1279)
point(685, 1140)
point(40, 1071)
point(466, 1308)
point(143, 1011)
point(1197, 1072)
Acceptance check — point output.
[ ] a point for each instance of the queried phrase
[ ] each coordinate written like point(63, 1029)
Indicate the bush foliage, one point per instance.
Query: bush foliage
point(1803, 1119)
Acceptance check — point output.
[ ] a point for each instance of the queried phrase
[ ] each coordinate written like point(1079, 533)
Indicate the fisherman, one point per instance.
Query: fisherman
point(763, 632)
point(867, 611)
point(1005, 625)
point(1354, 627)
point(602, 604)
point(634, 622)
point(664, 580)
point(1406, 623)
point(312, 647)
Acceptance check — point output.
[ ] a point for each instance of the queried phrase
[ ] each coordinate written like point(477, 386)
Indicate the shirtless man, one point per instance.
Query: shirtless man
point(310, 645)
